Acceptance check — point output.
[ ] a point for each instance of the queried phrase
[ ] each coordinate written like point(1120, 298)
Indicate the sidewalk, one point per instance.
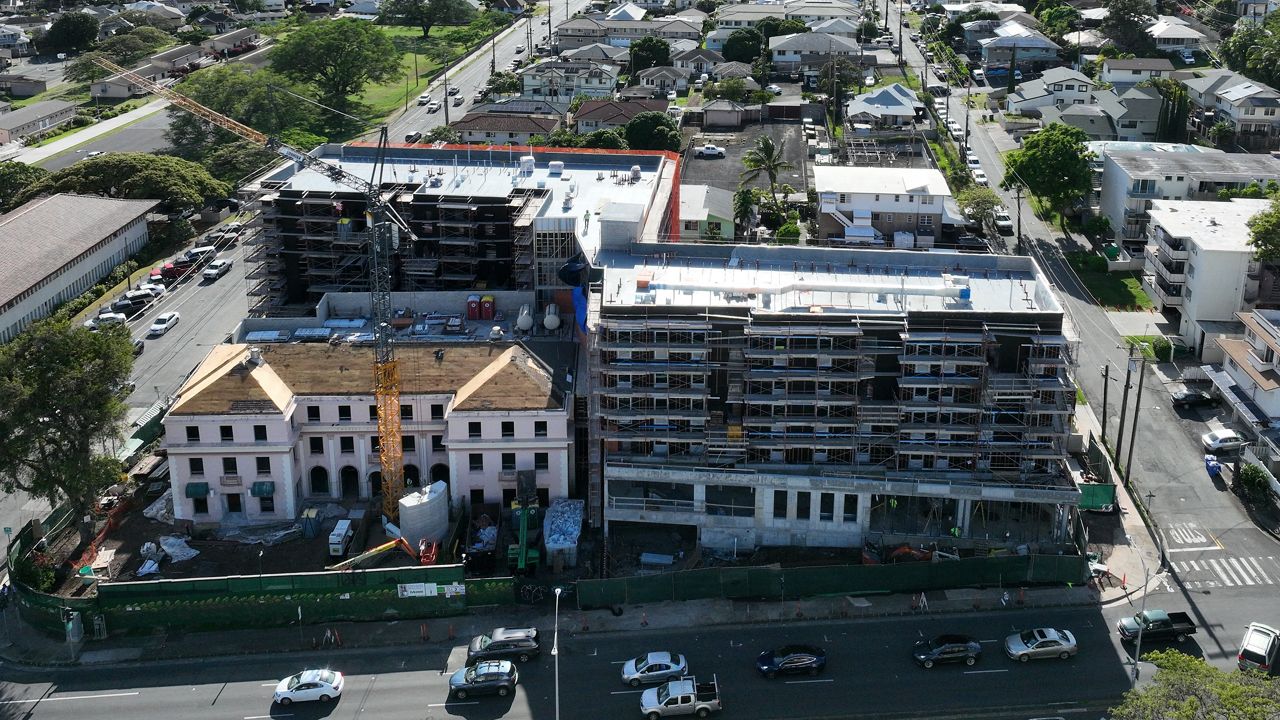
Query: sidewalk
point(40, 154)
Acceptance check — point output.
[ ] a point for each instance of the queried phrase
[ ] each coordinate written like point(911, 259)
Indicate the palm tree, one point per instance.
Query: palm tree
point(765, 158)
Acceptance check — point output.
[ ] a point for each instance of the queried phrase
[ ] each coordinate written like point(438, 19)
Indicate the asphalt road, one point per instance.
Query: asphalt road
point(1223, 569)
point(145, 135)
point(869, 673)
point(209, 311)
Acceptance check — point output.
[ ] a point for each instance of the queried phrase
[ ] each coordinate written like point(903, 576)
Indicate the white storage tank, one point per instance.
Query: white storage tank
point(552, 320)
point(525, 320)
point(424, 515)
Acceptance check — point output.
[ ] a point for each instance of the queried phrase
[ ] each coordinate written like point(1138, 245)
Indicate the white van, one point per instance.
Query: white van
point(340, 538)
point(202, 254)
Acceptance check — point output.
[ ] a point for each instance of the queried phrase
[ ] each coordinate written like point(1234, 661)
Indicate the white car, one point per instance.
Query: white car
point(424, 99)
point(1222, 441)
point(1002, 220)
point(105, 319)
point(309, 685)
point(156, 289)
point(981, 178)
point(978, 75)
point(954, 127)
point(433, 106)
point(671, 94)
point(1188, 56)
point(773, 89)
point(973, 163)
point(164, 321)
point(217, 269)
point(519, 49)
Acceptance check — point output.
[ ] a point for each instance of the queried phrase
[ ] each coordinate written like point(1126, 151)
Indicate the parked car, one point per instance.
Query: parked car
point(980, 178)
point(671, 94)
point(973, 162)
point(105, 319)
point(654, 667)
point(1192, 398)
point(217, 269)
point(1003, 222)
point(502, 643)
point(491, 677)
point(1188, 56)
point(792, 660)
point(947, 649)
point(1258, 648)
point(773, 89)
point(686, 696)
point(1156, 625)
point(1040, 643)
point(138, 347)
point(308, 685)
point(978, 75)
point(709, 151)
point(915, 37)
point(163, 323)
point(155, 289)
point(1224, 440)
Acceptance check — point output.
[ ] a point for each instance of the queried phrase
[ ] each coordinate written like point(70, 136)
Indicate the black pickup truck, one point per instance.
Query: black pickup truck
point(1156, 625)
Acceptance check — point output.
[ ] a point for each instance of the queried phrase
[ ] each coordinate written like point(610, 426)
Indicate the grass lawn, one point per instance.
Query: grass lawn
point(1116, 290)
point(71, 92)
point(1149, 345)
point(382, 100)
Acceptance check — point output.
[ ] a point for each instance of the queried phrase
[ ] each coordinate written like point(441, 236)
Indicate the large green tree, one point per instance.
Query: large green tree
point(16, 177)
point(652, 131)
point(1264, 231)
point(649, 51)
point(743, 45)
point(603, 140)
point(180, 184)
point(773, 26)
point(1188, 688)
point(72, 32)
point(1052, 164)
point(339, 57)
point(1126, 26)
point(978, 202)
point(60, 411)
point(426, 14)
point(765, 159)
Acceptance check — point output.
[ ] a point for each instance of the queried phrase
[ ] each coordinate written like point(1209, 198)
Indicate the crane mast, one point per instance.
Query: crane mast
point(384, 235)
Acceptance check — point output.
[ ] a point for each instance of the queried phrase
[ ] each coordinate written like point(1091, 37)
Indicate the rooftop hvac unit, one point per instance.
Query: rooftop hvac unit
point(555, 167)
point(635, 173)
point(526, 164)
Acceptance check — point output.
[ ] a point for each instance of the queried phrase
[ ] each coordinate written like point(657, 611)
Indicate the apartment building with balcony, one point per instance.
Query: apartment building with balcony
point(581, 31)
point(753, 396)
point(1201, 267)
point(873, 206)
point(1251, 365)
point(498, 218)
point(1132, 181)
point(258, 431)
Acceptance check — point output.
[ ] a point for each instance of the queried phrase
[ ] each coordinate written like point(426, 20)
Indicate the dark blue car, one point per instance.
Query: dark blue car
point(792, 660)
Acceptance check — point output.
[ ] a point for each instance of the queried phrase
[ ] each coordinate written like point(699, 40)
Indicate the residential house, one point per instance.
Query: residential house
point(1032, 48)
point(1200, 264)
point(664, 79)
point(1091, 119)
point(215, 22)
point(842, 27)
point(163, 16)
point(731, 69)
point(80, 239)
point(1135, 113)
point(1093, 17)
point(871, 205)
point(706, 214)
point(955, 10)
point(1124, 74)
point(568, 79)
point(698, 61)
point(725, 113)
point(19, 86)
point(183, 6)
point(520, 105)
point(651, 4)
point(1173, 33)
point(716, 38)
point(692, 15)
point(35, 118)
point(179, 57)
point(1057, 86)
point(14, 41)
point(816, 11)
point(113, 25)
point(599, 52)
point(504, 128)
point(595, 115)
point(1255, 11)
point(683, 45)
point(736, 16)
point(1132, 181)
point(229, 41)
point(1251, 110)
point(626, 11)
point(514, 8)
point(1250, 375)
point(118, 86)
point(810, 51)
point(1088, 40)
point(581, 31)
point(258, 431)
point(891, 106)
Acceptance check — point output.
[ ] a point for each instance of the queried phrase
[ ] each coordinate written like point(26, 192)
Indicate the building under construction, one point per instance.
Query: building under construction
point(801, 396)
point(496, 219)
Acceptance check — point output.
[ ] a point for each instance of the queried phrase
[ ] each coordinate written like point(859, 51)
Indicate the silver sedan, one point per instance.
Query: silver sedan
point(1040, 643)
point(654, 667)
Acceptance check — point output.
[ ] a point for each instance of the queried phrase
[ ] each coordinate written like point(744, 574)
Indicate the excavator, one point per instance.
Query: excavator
point(523, 555)
point(425, 554)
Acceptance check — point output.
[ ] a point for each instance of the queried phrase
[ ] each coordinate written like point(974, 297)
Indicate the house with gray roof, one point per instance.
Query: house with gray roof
point(1057, 86)
point(1251, 108)
point(1091, 119)
point(599, 52)
point(664, 79)
point(715, 39)
point(1032, 47)
point(611, 114)
point(82, 238)
point(844, 27)
point(698, 60)
point(891, 106)
point(504, 128)
point(35, 118)
point(732, 69)
point(706, 213)
point(808, 51)
point(1123, 74)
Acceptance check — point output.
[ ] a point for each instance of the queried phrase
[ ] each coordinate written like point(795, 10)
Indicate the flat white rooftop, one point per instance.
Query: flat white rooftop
point(905, 181)
point(824, 280)
point(1211, 225)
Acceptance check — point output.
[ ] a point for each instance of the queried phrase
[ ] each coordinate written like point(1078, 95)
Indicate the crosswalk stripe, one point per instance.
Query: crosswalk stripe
point(1243, 571)
point(1258, 567)
point(1218, 571)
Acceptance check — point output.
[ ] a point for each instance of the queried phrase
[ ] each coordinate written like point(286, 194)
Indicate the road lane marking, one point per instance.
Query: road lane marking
point(269, 684)
point(1202, 548)
point(1213, 565)
point(68, 697)
point(455, 702)
point(1244, 570)
point(1258, 566)
point(802, 682)
point(265, 717)
point(618, 662)
point(980, 672)
point(626, 692)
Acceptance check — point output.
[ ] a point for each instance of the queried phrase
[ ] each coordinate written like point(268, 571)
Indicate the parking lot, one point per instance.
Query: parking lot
point(726, 172)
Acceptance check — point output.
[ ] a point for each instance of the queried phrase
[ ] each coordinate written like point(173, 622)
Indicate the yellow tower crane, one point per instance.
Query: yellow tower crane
point(384, 225)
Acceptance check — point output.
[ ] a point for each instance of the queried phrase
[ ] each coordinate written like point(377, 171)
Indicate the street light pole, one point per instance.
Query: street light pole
point(555, 652)
point(1137, 646)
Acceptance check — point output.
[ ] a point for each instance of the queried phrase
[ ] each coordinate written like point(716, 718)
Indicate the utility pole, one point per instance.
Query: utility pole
point(445, 101)
point(1017, 195)
point(886, 14)
point(1106, 385)
point(493, 55)
point(968, 85)
point(1133, 431)
point(1124, 402)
